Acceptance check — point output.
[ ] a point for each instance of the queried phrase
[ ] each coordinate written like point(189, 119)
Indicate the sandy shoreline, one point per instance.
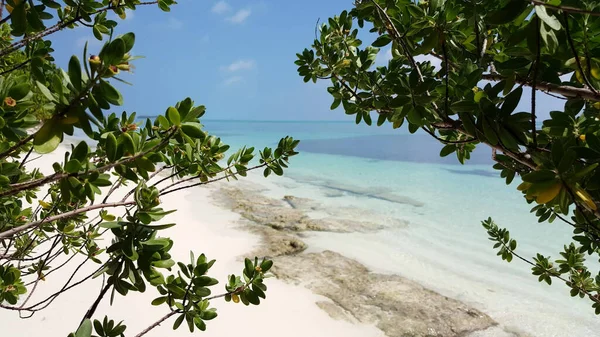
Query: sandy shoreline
point(303, 303)
point(203, 227)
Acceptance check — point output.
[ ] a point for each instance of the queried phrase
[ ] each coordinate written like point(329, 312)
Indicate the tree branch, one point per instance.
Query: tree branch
point(2, 12)
point(553, 274)
point(567, 91)
point(59, 26)
point(385, 18)
point(66, 215)
point(16, 146)
point(464, 141)
point(16, 188)
point(534, 85)
point(18, 66)
point(165, 192)
point(157, 323)
point(94, 306)
point(576, 55)
point(565, 9)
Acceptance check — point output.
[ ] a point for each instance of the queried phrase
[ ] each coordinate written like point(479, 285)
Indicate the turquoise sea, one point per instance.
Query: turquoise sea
point(399, 176)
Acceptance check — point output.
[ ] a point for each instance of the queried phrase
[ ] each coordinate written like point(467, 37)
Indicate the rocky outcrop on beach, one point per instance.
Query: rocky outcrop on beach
point(397, 306)
point(291, 214)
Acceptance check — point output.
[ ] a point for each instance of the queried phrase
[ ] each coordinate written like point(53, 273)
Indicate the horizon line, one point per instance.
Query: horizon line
point(263, 120)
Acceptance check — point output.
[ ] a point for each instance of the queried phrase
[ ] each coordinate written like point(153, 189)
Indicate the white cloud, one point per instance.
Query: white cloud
point(239, 16)
point(221, 7)
point(435, 62)
point(233, 80)
point(384, 57)
point(566, 77)
point(129, 14)
point(93, 43)
point(240, 65)
point(174, 24)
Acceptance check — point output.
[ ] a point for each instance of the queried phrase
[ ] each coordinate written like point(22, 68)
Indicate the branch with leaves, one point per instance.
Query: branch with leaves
point(480, 84)
point(51, 221)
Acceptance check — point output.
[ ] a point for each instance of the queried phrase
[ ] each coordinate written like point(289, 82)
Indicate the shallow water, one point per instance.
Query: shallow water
point(444, 247)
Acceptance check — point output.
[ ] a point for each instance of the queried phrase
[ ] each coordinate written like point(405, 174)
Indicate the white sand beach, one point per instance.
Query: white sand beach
point(323, 293)
point(202, 227)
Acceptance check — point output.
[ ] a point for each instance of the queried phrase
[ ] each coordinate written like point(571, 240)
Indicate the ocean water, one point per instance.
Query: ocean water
point(444, 247)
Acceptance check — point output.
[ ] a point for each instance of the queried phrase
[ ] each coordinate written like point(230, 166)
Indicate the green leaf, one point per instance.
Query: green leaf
point(73, 166)
point(129, 40)
point(163, 263)
point(19, 19)
point(173, 116)
point(45, 91)
point(75, 72)
point(179, 319)
point(436, 4)
point(97, 32)
point(566, 161)
point(489, 132)
point(19, 91)
point(159, 300)
point(111, 225)
point(539, 176)
point(194, 130)
point(548, 19)
point(109, 93)
point(248, 268)
point(335, 104)
point(111, 147)
point(508, 13)
point(98, 327)
point(382, 41)
point(85, 330)
point(511, 101)
point(47, 138)
point(266, 265)
point(448, 149)
point(113, 53)
point(80, 152)
point(145, 164)
point(415, 11)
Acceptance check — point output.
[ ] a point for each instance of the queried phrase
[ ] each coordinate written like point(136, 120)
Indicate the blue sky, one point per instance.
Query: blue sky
point(234, 56)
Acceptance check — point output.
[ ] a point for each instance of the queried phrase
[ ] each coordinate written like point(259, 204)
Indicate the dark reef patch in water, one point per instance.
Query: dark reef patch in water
point(408, 148)
point(482, 173)
point(339, 189)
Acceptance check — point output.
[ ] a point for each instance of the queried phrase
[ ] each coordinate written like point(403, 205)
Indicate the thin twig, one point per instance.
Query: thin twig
point(157, 323)
point(575, 54)
point(553, 274)
point(18, 66)
point(39, 276)
point(445, 141)
point(16, 146)
point(565, 9)
point(536, 68)
point(567, 91)
point(16, 188)
point(2, 11)
point(94, 306)
point(165, 191)
point(61, 216)
point(59, 26)
point(385, 18)
point(447, 70)
point(25, 159)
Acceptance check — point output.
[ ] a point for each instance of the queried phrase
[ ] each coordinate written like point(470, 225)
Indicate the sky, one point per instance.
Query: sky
point(236, 57)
